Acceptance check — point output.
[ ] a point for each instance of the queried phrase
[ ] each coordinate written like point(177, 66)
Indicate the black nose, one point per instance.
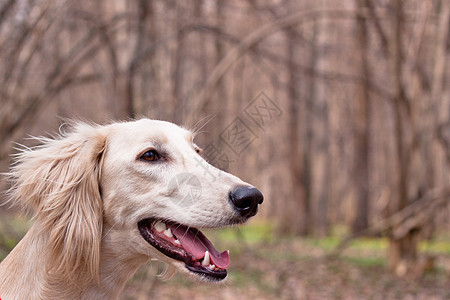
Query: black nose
point(245, 200)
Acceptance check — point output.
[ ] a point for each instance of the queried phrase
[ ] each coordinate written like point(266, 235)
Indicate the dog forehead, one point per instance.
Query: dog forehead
point(146, 131)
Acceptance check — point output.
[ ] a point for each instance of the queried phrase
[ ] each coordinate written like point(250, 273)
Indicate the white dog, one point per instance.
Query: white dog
point(106, 199)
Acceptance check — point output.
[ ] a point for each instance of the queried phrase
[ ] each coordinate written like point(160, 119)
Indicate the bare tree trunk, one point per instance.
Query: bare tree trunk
point(319, 167)
point(308, 155)
point(178, 108)
point(220, 53)
point(144, 13)
point(320, 154)
point(402, 251)
point(323, 162)
point(220, 95)
point(361, 172)
point(298, 216)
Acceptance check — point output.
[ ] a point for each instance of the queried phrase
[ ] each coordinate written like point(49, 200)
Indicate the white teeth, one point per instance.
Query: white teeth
point(168, 232)
point(212, 267)
point(177, 242)
point(228, 252)
point(159, 226)
point(206, 261)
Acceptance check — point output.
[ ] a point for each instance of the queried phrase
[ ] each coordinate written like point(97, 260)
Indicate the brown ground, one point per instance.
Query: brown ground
point(266, 267)
point(296, 269)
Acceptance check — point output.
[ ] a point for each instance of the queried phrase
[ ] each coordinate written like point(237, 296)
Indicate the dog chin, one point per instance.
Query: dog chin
point(173, 266)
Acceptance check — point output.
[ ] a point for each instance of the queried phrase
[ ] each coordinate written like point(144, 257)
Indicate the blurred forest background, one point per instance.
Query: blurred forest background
point(341, 110)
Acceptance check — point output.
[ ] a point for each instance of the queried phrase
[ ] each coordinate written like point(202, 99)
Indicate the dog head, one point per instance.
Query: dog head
point(140, 186)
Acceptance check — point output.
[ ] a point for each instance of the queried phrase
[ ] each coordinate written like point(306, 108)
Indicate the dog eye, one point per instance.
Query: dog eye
point(150, 155)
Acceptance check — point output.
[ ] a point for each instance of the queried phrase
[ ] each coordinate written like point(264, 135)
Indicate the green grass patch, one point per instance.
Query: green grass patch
point(341, 231)
point(17, 225)
point(365, 261)
point(12, 229)
point(370, 243)
point(438, 246)
point(325, 243)
point(253, 233)
point(331, 242)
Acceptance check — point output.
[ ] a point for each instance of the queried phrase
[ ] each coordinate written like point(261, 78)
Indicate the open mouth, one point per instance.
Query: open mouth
point(188, 245)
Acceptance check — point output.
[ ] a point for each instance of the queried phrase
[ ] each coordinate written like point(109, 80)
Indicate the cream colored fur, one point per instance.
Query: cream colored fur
point(87, 190)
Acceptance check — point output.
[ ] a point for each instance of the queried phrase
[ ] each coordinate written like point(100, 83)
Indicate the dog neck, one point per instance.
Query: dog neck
point(116, 267)
point(25, 274)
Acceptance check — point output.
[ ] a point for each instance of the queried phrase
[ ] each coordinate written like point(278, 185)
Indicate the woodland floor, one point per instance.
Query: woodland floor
point(265, 266)
point(292, 268)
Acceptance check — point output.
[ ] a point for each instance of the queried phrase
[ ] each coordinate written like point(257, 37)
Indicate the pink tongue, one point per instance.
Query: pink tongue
point(196, 243)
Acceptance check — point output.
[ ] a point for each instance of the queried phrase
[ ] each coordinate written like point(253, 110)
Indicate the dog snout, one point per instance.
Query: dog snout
point(246, 200)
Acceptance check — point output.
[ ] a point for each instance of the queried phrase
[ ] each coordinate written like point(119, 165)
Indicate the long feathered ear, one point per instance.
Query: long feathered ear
point(59, 181)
